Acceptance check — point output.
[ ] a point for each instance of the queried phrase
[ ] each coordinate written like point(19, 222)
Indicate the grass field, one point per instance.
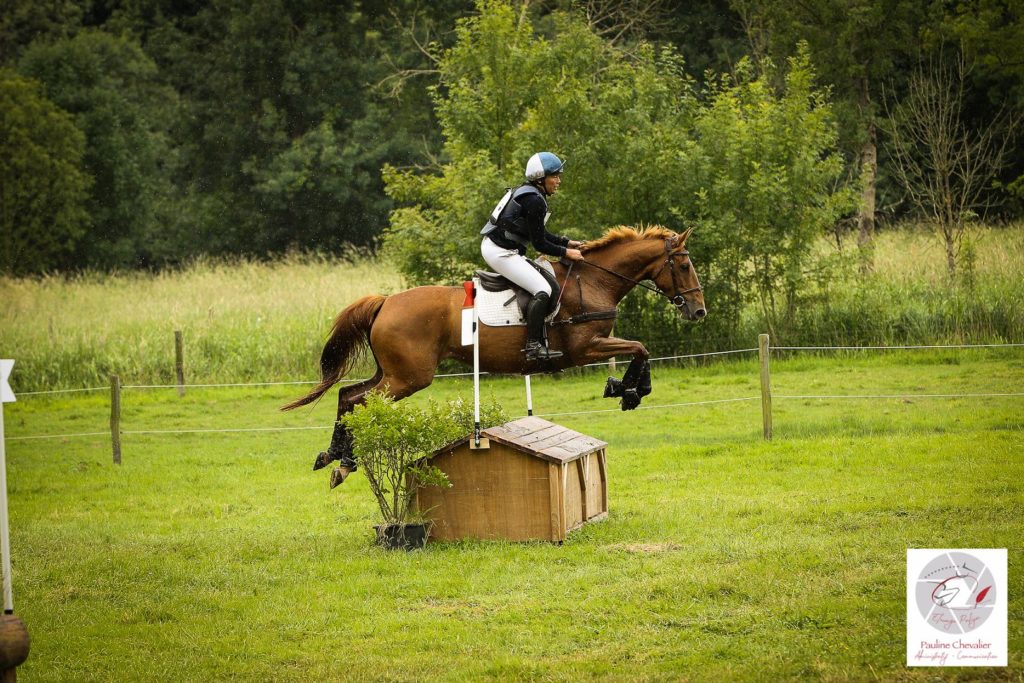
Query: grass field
point(724, 557)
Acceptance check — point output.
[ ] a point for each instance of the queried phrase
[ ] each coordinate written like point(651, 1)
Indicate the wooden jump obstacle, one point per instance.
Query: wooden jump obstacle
point(538, 480)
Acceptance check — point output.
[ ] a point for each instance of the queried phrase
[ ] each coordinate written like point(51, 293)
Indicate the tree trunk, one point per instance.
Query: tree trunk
point(949, 236)
point(866, 217)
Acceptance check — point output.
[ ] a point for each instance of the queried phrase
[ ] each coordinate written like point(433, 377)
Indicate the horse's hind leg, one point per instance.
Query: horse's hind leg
point(395, 387)
point(341, 440)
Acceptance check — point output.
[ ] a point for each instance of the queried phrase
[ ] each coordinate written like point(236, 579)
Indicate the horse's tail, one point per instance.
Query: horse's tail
point(349, 338)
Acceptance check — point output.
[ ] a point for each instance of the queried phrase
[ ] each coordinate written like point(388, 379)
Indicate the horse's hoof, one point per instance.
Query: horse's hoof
point(322, 461)
point(613, 388)
point(339, 474)
point(630, 399)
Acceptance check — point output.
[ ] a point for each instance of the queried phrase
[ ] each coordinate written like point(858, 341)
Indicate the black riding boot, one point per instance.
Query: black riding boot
point(536, 311)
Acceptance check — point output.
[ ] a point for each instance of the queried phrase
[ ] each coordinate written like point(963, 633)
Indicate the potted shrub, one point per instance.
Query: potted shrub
point(391, 441)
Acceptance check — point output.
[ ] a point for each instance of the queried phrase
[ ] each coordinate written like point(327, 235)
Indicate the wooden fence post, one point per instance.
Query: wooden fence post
point(766, 385)
point(179, 361)
point(115, 417)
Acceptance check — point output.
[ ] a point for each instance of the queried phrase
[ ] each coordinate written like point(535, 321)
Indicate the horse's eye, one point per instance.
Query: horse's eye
point(684, 266)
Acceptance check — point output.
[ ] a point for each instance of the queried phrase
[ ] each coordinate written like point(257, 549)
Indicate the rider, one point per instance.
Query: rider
point(519, 219)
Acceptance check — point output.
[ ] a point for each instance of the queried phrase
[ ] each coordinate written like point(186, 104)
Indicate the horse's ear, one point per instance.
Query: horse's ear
point(685, 236)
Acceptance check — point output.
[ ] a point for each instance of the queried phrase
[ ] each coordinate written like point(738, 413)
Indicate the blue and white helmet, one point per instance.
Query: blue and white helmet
point(542, 165)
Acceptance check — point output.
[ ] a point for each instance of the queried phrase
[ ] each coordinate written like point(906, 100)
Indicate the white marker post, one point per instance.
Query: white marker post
point(14, 640)
point(529, 397)
point(477, 441)
point(6, 396)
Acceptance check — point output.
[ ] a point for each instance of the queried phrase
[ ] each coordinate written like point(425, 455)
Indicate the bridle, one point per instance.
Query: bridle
point(678, 298)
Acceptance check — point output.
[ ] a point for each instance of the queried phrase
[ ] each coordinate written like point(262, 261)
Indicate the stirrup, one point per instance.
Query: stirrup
point(536, 351)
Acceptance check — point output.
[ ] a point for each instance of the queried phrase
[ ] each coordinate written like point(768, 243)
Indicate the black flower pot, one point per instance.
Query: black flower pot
point(403, 536)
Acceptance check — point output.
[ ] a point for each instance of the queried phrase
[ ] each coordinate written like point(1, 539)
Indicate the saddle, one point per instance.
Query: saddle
point(503, 303)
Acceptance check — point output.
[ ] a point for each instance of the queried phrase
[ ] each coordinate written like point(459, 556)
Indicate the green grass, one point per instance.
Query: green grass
point(724, 557)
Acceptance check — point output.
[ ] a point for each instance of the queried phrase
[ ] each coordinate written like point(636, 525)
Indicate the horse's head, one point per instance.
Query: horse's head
point(677, 279)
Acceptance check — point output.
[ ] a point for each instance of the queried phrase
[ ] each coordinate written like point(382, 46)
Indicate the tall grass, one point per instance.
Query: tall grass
point(242, 321)
point(251, 321)
point(908, 297)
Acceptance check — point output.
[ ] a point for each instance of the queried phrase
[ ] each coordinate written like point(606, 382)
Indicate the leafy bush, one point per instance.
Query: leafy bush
point(391, 440)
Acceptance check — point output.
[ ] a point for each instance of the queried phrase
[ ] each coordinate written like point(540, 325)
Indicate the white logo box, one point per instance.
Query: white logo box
point(956, 607)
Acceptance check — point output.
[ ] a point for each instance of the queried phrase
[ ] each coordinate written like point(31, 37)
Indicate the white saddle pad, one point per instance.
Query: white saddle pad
point(499, 309)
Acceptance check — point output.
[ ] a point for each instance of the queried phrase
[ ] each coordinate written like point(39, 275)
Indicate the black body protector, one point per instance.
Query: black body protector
point(506, 226)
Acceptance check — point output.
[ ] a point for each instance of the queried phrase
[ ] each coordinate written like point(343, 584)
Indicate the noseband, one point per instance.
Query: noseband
point(678, 299)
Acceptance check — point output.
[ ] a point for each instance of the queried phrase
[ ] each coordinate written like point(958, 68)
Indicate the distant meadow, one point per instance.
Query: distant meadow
point(249, 321)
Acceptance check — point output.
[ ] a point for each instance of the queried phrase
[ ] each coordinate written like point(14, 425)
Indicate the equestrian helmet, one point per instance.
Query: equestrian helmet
point(542, 165)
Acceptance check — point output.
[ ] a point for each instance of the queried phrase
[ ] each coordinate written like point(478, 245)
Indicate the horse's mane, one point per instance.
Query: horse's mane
point(625, 233)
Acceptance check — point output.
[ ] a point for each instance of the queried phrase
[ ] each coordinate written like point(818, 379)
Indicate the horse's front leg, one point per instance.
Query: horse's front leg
point(636, 383)
point(604, 348)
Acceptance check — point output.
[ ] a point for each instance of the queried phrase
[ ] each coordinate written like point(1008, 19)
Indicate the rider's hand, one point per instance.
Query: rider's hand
point(574, 244)
point(573, 255)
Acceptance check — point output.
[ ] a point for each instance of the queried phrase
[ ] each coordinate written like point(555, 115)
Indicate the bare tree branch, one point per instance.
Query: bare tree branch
point(420, 37)
point(945, 169)
point(621, 21)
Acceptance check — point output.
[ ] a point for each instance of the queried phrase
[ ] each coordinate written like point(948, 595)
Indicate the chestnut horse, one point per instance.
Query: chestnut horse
point(409, 333)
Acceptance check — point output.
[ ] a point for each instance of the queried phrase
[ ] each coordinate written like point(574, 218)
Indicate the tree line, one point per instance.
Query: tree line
point(142, 134)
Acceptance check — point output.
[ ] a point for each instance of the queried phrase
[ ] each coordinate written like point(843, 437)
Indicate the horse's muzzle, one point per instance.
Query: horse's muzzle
point(693, 310)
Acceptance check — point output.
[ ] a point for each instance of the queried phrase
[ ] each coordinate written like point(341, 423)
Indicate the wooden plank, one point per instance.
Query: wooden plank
point(572, 448)
point(556, 502)
point(570, 441)
point(540, 435)
point(562, 437)
point(562, 453)
point(533, 435)
point(521, 427)
point(561, 502)
point(604, 479)
point(584, 487)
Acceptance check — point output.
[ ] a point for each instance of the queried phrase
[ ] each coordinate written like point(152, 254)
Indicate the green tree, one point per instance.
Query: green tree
point(620, 119)
point(768, 191)
point(286, 129)
point(43, 188)
point(990, 34)
point(22, 21)
point(944, 166)
point(857, 46)
point(109, 85)
point(751, 163)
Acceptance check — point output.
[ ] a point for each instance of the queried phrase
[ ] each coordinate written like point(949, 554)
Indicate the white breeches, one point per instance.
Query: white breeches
point(515, 267)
